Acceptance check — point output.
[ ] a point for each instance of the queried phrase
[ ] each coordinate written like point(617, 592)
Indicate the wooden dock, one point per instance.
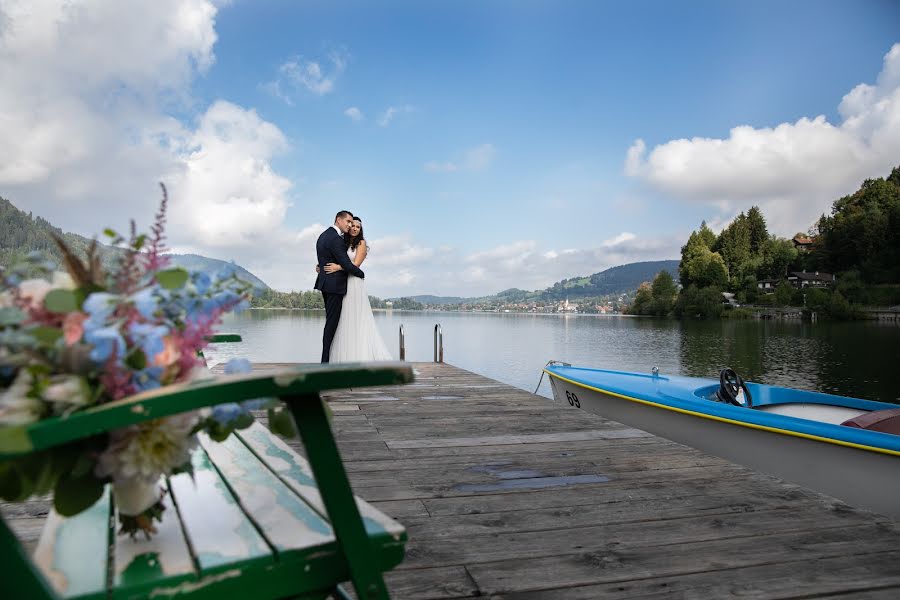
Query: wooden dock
point(508, 495)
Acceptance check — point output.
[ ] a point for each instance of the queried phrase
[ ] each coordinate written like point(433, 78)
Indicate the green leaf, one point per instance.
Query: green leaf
point(62, 301)
point(83, 466)
point(74, 495)
point(12, 484)
point(172, 279)
point(137, 360)
point(10, 315)
point(46, 335)
point(282, 423)
point(243, 421)
point(187, 467)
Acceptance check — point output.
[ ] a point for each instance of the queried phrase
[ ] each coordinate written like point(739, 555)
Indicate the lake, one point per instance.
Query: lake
point(848, 358)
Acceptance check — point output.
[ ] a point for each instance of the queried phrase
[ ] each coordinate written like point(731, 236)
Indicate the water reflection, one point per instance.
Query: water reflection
point(853, 359)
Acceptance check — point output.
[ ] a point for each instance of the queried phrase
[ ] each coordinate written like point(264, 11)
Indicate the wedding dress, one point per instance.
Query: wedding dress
point(356, 338)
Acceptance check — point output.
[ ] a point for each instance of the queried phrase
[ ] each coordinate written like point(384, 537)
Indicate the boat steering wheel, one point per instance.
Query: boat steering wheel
point(730, 387)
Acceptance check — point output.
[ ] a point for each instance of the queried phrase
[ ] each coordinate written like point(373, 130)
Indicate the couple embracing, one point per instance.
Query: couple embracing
point(350, 334)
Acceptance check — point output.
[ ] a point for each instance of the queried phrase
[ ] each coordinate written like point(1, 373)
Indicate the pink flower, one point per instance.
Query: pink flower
point(169, 354)
point(73, 327)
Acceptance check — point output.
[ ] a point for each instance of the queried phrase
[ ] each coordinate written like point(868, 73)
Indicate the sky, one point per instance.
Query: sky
point(485, 144)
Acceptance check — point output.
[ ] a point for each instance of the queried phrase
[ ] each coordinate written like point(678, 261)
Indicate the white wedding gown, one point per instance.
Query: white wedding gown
point(356, 338)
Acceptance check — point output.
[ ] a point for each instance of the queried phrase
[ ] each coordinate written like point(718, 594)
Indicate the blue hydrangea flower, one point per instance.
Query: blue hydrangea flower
point(147, 302)
point(147, 379)
point(99, 306)
point(238, 365)
point(148, 337)
point(106, 342)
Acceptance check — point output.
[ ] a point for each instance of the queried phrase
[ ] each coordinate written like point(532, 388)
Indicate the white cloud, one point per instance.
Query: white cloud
point(793, 171)
point(87, 132)
point(354, 113)
point(618, 240)
point(84, 128)
point(299, 73)
point(521, 264)
point(229, 195)
point(474, 159)
point(392, 112)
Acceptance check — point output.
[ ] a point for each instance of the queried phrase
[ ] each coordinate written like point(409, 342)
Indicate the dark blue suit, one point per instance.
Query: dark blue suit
point(330, 248)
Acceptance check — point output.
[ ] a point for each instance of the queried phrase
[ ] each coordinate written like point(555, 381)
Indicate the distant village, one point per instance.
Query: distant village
point(605, 305)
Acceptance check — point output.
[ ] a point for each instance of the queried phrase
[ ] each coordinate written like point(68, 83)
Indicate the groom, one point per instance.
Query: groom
point(330, 248)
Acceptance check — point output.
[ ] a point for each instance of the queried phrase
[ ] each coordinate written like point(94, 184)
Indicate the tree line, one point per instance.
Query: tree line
point(859, 243)
point(312, 299)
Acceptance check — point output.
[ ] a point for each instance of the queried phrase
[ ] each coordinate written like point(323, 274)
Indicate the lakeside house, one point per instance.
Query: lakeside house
point(803, 242)
point(798, 279)
point(804, 279)
point(767, 286)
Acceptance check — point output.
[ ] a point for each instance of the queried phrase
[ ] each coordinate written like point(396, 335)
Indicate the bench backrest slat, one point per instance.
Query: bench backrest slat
point(219, 532)
point(286, 521)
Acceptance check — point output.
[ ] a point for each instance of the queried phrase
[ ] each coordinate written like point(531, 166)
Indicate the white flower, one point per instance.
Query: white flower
point(6, 300)
point(148, 450)
point(16, 407)
point(67, 389)
point(62, 281)
point(34, 290)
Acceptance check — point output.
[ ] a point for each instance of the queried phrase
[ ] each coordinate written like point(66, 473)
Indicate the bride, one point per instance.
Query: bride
point(356, 338)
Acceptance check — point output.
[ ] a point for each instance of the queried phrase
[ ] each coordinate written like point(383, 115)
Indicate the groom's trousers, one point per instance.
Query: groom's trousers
point(333, 303)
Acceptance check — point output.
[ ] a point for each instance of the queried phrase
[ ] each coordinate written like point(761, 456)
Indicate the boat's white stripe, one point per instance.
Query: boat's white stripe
point(726, 420)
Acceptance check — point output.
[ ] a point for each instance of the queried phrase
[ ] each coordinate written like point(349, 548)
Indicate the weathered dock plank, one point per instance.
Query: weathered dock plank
point(507, 495)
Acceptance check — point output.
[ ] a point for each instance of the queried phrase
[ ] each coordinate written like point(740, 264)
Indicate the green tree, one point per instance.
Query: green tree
point(778, 255)
point(704, 268)
point(759, 235)
point(734, 246)
point(784, 294)
point(699, 243)
point(663, 292)
point(643, 298)
point(863, 232)
point(700, 303)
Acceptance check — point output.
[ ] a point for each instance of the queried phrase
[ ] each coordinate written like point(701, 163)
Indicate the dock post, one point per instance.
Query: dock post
point(438, 343)
point(402, 343)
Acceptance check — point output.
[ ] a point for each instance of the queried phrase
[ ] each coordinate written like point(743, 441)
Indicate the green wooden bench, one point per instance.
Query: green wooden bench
point(261, 521)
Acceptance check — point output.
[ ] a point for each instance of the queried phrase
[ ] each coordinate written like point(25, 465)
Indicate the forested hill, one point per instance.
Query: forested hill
point(195, 262)
point(616, 280)
point(21, 233)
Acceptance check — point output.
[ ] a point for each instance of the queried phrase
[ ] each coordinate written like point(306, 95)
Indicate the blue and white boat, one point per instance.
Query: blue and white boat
point(845, 447)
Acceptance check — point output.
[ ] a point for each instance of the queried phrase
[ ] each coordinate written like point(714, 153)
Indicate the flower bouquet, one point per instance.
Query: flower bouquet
point(77, 339)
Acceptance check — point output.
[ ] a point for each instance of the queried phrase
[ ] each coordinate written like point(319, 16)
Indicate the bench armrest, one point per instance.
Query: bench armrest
point(173, 399)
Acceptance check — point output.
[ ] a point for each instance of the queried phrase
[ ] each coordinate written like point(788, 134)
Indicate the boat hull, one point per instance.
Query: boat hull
point(859, 477)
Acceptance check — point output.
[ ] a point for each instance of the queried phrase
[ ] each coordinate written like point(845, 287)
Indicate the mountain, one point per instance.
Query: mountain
point(616, 280)
point(21, 233)
point(434, 300)
point(622, 279)
point(195, 262)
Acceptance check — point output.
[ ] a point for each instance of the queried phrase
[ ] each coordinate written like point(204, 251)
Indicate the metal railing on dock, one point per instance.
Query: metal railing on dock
point(438, 344)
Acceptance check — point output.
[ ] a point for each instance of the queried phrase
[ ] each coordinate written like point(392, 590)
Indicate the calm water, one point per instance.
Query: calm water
point(852, 359)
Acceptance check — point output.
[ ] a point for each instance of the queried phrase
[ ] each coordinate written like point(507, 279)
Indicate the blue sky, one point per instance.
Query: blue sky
point(487, 145)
